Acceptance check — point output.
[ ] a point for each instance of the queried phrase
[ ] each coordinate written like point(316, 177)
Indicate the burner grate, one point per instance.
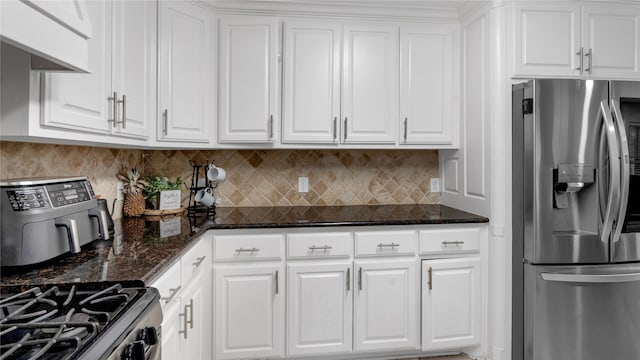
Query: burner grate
point(57, 323)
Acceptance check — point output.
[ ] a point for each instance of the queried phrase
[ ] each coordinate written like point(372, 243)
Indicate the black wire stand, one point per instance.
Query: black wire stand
point(194, 208)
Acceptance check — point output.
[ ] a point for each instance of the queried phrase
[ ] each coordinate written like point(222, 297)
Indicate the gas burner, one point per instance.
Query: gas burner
point(58, 322)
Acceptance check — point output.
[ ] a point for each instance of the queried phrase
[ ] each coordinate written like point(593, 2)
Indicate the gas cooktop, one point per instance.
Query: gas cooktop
point(68, 320)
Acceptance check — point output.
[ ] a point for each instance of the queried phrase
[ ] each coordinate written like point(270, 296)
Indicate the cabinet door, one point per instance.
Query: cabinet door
point(81, 101)
point(319, 308)
point(196, 301)
point(248, 79)
point(134, 65)
point(172, 325)
point(370, 84)
point(387, 314)
point(612, 33)
point(546, 38)
point(427, 84)
point(249, 311)
point(185, 68)
point(451, 303)
point(311, 90)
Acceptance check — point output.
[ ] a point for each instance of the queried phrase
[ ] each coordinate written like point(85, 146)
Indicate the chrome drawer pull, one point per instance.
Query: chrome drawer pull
point(200, 260)
point(392, 245)
point(172, 293)
point(457, 242)
point(190, 306)
point(241, 250)
point(325, 247)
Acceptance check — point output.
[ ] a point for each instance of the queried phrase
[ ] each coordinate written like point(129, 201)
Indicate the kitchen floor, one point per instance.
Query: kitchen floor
point(445, 357)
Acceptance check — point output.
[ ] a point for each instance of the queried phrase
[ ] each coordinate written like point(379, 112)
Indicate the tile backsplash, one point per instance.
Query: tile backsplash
point(254, 177)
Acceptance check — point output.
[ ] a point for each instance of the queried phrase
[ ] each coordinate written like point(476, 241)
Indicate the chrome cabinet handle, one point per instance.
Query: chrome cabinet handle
point(360, 279)
point(190, 322)
point(580, 55)
point(325, 247)
point(349, 279)
point(200, 260)
point(392, 245)
point(165, 121)
point(276, 280)
point(241, 250)
point(589, 54)
point(123, 120)
point(335, 128)
point(271, 126)
point(172, 294)
point(345, 128)
point(457, 242)
point(184, 316)
point(114, 108)
point(405, 129)
point(430, 271)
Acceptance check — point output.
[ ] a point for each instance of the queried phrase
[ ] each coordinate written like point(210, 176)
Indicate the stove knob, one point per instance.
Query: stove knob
point(134, 351)
point(149, 335)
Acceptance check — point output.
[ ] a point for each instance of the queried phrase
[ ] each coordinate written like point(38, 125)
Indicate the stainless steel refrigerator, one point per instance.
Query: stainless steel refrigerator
point(576, 220)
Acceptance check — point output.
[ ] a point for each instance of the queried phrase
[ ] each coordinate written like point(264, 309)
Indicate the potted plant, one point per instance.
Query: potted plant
point(156, 185)
point(133, 186)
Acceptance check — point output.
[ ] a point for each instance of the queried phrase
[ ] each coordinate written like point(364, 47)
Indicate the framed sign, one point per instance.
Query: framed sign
point(170, 199)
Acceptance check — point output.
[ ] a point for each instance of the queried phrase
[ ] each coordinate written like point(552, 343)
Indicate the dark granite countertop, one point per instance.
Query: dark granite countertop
point(140, 249)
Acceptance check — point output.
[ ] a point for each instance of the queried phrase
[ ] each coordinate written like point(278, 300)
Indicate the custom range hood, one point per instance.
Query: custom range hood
point(54, 32)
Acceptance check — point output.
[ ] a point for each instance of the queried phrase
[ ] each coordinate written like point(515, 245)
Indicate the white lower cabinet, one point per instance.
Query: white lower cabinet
point(451, 303)
point(319, 308)
point(249, 311)
point(387, 302)
point(186, 302)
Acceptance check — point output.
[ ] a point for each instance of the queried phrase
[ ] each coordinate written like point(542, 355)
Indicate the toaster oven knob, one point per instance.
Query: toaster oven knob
point(134, 351)
point(149, 335)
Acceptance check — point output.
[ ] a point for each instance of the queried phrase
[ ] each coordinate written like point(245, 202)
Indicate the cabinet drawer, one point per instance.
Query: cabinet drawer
point(449, 240)
point(196, 259)
point(168, 285)
point(386, 243)
point(248, 247)
point(319, 245)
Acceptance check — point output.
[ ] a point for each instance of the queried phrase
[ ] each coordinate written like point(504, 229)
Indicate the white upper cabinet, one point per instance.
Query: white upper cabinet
point(428, 84)
point(186, 68)
point(134, 65)
point(82, 101)
point(311, 90)
point(612, 36)
point(370, 84)
point(248, 83)
point(118, 96)
point(570, 39)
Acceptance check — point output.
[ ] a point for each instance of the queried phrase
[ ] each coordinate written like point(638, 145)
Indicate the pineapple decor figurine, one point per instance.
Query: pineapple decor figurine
point(133, 186)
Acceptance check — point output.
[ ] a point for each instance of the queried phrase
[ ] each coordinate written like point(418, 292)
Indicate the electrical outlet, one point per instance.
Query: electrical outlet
point(120, 191)
point(435, 185)
point(303, 184)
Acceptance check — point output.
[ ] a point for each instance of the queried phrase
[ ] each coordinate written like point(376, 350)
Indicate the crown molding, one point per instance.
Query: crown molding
point(413, 10)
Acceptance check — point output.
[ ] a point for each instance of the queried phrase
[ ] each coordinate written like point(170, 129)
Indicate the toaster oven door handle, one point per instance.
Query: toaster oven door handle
point(103, 225)
point(72, 232)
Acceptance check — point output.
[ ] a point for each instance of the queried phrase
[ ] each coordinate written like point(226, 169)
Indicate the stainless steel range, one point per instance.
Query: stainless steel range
point(80, 321)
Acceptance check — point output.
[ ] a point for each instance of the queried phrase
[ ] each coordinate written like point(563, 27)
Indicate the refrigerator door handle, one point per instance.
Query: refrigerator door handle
point(583, 278)
point(614, 176)
point(625, 171)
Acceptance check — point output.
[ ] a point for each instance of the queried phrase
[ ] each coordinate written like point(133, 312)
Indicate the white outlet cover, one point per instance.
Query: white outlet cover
point(303, 184)
point(435, 185)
